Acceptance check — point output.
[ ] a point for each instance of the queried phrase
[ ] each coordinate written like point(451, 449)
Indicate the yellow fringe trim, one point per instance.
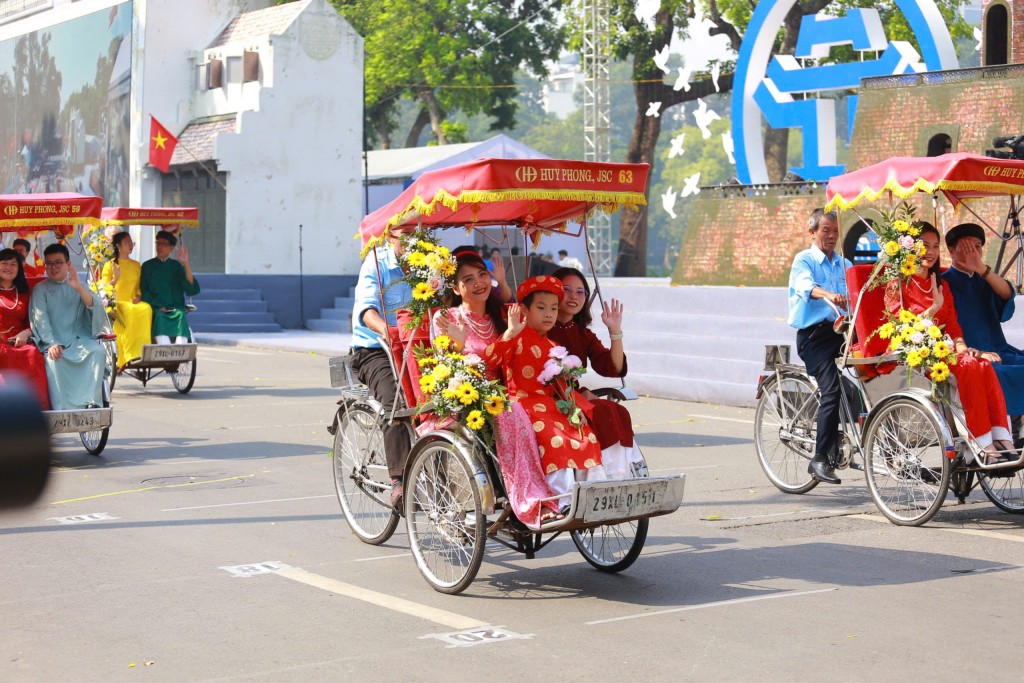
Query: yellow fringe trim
point(609, 202)
point(46, 222)
point(156, 221)
point(923, 185)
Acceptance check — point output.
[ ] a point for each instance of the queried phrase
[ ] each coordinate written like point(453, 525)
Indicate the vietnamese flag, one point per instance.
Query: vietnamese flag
point(161, 145)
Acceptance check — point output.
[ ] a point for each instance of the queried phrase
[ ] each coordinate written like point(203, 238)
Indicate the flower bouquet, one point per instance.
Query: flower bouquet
point(565, 368)
point(920, 343)
point(99, 248)
point(900, 245)
point(458, 387)
point(428, 268)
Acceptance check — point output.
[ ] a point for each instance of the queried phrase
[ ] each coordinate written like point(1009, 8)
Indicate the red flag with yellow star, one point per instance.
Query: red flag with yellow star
point(161, 145)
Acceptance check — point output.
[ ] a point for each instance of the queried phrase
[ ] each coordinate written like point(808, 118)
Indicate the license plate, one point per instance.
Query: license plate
point(85, 420)
point(623, 501)
point(168, 353)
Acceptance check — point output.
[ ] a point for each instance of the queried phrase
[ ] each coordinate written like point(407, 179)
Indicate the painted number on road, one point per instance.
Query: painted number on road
point(478, 636)
point(82, 519)
point(246, 570)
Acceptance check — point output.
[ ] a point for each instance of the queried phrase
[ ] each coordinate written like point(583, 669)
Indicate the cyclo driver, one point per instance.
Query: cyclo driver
point(369, 361)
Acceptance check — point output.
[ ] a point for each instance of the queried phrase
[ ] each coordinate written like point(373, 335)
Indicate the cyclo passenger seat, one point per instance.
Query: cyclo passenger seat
point(869, 317)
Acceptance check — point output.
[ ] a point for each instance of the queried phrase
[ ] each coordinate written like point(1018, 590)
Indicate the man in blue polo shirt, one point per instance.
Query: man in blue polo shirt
point(370, 362)
point(819, 273)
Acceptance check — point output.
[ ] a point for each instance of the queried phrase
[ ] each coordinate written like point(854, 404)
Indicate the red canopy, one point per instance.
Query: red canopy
point(543, 193)
point(42, 211)
point(167, 215)
point(958, 176)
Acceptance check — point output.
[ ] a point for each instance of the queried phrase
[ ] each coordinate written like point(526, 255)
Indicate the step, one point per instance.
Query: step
point(241, 328)
point(346, 303)
point(230, 295)
point(335, 314)
point(229, 317)
point(324, 325)
point(230, 306)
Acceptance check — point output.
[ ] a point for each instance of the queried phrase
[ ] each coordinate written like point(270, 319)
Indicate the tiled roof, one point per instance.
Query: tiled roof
point(271, 21)
point(196, 141)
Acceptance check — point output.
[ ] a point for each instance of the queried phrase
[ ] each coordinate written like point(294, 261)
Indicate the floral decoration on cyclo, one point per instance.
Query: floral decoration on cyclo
point(565, 369)
point(457, 387)
point(99, 248)
point(429, 268)
point(919, 342)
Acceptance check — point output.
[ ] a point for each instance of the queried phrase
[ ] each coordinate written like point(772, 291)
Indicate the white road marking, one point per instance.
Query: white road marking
point(720, 603)
point(248, 502)
point(383, 557)
point(438, 616)
point(718, 417)
point(82, 519)
point(478, 636)
point(968, 532)
point(245, 571)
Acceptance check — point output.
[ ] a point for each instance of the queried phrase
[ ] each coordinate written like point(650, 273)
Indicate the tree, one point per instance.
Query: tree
point(449, 56)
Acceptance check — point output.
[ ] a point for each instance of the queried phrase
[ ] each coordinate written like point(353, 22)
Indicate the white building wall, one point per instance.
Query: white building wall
point(297, 161)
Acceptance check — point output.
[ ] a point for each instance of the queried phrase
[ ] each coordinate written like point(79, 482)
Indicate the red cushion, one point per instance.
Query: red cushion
point(871, 314)
point(33, 281)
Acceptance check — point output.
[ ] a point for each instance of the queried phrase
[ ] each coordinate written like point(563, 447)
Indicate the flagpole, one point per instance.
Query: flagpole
point(203, 166)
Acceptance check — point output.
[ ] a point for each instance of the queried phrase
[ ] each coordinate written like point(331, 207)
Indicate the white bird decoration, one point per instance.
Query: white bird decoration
point(654, 109)
point(701, 25)
point(690, 185)
point(704, 116)
point(661, 59)
point(683, 81)
point(677, 146)
point(716, 71)
point(730, 147)
point(668, 201)
point(977, 37)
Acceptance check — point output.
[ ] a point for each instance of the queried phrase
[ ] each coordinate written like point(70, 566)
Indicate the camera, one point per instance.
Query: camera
point(1015, 143)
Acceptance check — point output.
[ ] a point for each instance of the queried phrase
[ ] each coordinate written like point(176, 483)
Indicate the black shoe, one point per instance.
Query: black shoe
point(822, 471)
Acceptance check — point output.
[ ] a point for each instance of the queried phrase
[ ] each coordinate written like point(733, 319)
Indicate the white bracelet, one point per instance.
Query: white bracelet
point(615, 337)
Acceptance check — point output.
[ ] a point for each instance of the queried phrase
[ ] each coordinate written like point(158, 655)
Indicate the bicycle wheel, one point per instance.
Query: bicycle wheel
point(1006, 491)
point(905, 462)
point(612, 547)
point(784, 431)
point(361, 474)
point(110, 351)
point(445, 518)
point(185, 377)
point(96, 440)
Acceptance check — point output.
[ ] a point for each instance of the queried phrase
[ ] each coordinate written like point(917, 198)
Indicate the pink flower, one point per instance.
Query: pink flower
point(473, 359)
point(571, 362)
point(435, 283)
point(917, 338)
point(907, 242)
point(558, 352)
point(551, 370)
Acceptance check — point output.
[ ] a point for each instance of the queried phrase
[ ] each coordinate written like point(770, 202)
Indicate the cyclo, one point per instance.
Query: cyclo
point(913, 448)
point(176, 360)
point(455, 498)
point(61, 212)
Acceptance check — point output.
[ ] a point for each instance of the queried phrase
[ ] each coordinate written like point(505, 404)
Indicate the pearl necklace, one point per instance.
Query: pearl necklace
point(926, 291)
point(17, 298)
point(484, 331)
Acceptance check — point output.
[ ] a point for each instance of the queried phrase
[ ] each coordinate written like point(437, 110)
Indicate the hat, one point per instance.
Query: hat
point(541, 283)
point(955, 234)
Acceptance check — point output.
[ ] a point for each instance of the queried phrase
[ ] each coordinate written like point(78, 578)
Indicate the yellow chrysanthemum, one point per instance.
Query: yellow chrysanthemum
point(895, 343)
point(892, 248)
point(908, 268)
point(886, 331)
point(924, 352)
point(494, 404)
point(475, 420)
point(433, 261)
point(428, 384)
point(423, 292)
point(466, 393)
point(913, 359)
point(448, 393)
point(901, 225)
point(919, 326)
point(447, 268)
point(921, 249)
point(442, 341)
point(426, 361)
point(934, 332)
point(941, 349)
point(940, 372)
point(914, 231)
point(443, 252)
point(907, 316)
point(425, 246)
point(416, 259)
point(442, 372)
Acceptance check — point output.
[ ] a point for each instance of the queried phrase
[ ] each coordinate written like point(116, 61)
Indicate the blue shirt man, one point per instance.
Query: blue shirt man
point(819, 273)
point(370, 325)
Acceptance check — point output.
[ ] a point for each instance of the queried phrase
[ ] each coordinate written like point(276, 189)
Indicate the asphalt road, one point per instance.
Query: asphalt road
point(161, 560)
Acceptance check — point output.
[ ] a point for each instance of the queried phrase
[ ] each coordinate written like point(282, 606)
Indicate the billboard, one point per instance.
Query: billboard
point(65, 107)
